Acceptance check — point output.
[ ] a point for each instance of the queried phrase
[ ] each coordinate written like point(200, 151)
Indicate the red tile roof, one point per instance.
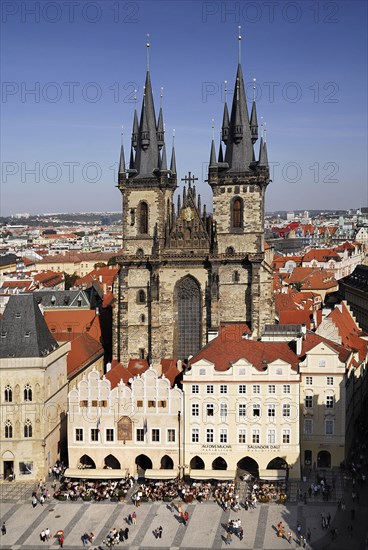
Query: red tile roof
point(118, 372)
point(80, 321)
point(104, 275)
point(312, 340)
point(321, 255)
point(84, 351)
point(223, 352)
point(48, 278)
point(348, 330)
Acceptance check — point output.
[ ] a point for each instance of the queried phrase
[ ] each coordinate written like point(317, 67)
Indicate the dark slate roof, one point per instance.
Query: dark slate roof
point(8, 259)
point(23, 330)
point(62, 298)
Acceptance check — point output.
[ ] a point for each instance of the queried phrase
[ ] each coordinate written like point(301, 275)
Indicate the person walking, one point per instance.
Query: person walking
point(289, 535)
point(179, 508)
point(61, 541)
point(229, 538)
point(159, 532)
point(186, 517)
point(3, 529)
point(134, 518)
point(126, 533)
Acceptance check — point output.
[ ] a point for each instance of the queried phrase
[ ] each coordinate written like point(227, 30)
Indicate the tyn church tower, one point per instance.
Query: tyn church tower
point(183, 271)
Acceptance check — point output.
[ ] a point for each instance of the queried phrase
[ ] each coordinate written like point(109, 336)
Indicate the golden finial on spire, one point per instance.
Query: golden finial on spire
point(254, 89)
point(147, 49)
point(135, 98)
point(239, 44)
point(173, 136)
point(161, 95)
point(225, 89)
point(213, 128)
point(262, 126)
point(264, 132)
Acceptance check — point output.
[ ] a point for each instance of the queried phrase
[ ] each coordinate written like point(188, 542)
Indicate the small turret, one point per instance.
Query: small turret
point(135, 130)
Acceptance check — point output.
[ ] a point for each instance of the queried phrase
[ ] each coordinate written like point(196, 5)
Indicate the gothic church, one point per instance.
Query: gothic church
point(185, 271)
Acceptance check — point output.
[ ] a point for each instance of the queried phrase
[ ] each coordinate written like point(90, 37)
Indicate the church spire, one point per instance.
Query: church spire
point(173, 157)
point(135, 127)
point(213, 150)
point(253, 116)
point(225, 120)
point(239, 150)
point(160, 124)
point(122, 157)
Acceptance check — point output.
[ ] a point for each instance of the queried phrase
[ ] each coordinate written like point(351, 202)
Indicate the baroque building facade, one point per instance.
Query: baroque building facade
point(184, 271)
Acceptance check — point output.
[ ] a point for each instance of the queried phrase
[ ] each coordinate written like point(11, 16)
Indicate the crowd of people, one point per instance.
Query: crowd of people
point(94, 490)
point(263, 491)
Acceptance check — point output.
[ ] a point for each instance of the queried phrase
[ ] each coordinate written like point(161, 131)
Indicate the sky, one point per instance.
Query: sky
point(69, 70)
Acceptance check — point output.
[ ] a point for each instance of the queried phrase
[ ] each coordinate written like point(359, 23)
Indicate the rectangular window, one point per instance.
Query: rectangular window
point(330, 381)
point(151, 404)
point(139, 403)
point(286, 388)
point(255, 436)
point(242, 436)
point(25, 468)
point(271, 411)
point(109, 434)
point(308, 401)
point(329, 427)
point(242, 410)
point(155, 435)
point(242, 388)
point(79, 434)
point(329, 402)
point(271, 388)
point(195, 388)
point(308, 426)
point(162, 404)
point(223, 409)
point(195, 435)
point(94, 434)
point(286, 409)
point(139, 433)
point(210, 409)
point(271, 437)
point(223, 435)
point(223, 388)
point(209, 435)
point(84, 403)
point(256, 410)
point(195, 409)
point(209, 388)
point(94, 403)
point(309, 380)
point(103, 403)
point(171, 435)
point(256, 388)
point(321, 363)
point(202, 372)
point(286, 436)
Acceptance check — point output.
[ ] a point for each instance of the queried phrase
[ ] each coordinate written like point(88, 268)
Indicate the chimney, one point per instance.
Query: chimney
point(108, 367)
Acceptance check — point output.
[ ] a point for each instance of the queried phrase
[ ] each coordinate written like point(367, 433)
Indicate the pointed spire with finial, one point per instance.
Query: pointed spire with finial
point(239, 45)
point(173, 158)
point(253, 116)
point(160, 124)
point(147, 51)
point(135, 131)
point(220, 155)
point(263, 156)
point(163, 161)
point(122, 157)
point(225, 120)
point(213, 150)
point(131, 160)
point(179, 203)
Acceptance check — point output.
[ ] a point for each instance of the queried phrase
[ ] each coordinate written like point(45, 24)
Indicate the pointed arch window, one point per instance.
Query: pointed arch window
point(8, 430)
point(143, 218)
point(237, 213)
point(8, 394)
point(28, 428)
point(27, 393)
point(141, 297)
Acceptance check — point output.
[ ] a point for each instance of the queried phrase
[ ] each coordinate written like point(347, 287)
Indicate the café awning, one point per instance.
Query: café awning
point(160, 474)
point(213, 474)
point(272, 475)
point(95, 473)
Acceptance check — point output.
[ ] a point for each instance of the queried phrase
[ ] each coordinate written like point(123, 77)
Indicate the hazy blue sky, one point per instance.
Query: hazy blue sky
point(82, 59)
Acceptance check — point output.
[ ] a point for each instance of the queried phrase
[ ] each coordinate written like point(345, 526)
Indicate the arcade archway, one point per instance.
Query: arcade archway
point(324, 459)
point(219, 464)
point(112, 462)
point(167, 463)
point(277, 463)
point(143, 462)
point(196, 463)
point(248, 464)
point(87, 462)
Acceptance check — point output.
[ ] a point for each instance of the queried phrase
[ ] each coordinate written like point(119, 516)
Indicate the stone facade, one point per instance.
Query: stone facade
point(183, 271)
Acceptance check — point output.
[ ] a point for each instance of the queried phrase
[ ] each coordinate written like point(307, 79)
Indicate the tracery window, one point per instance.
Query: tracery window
point(8, 430)
point(28, 428)
point(188, 296)
point(27, 393)
point(8, 394)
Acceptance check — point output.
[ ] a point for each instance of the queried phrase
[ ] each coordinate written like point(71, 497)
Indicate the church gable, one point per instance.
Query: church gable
point(190, 228)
